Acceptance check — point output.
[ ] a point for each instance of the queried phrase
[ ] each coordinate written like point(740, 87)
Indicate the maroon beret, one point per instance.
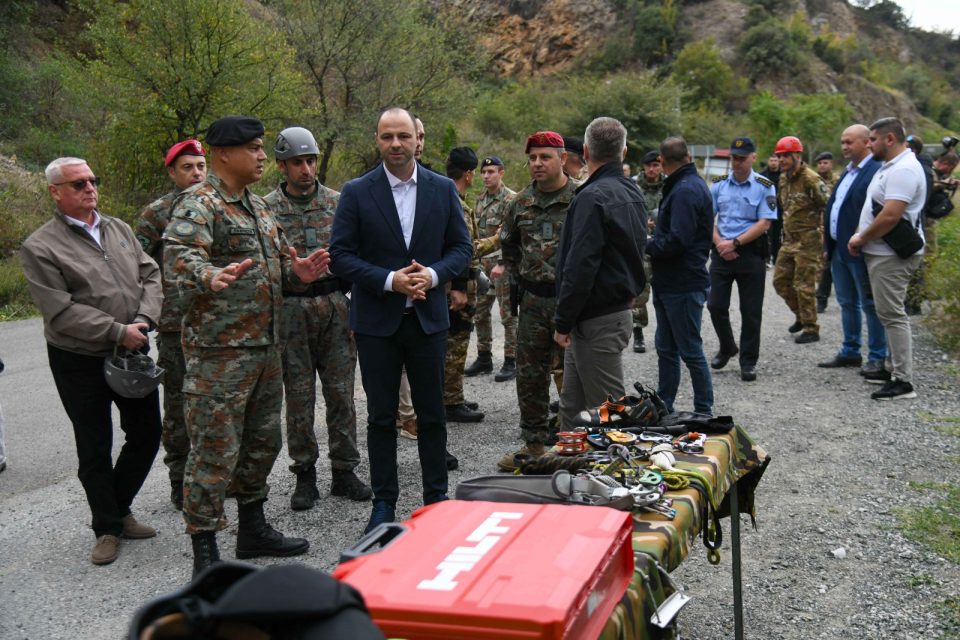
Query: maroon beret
point(185, 148)
point(545, 139)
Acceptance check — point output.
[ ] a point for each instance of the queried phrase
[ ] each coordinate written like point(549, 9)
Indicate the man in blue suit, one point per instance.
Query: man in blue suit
point(840, 220)
point(399, 237)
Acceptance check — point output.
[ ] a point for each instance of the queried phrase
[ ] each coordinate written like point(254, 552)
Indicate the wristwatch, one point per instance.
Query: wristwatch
point(736, 243)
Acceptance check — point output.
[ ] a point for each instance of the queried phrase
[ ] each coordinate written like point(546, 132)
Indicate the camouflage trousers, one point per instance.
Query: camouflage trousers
point(232, 399)
point(538, 357)
point(176, 442)
point(458, 339)
point(315, 340)
point(795, 279)
point(640, 317)
point(500, 292)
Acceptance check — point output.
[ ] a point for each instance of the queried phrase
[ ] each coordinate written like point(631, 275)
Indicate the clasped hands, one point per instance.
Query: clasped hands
point(726, 250)
point(307, 269)
point(413, 281)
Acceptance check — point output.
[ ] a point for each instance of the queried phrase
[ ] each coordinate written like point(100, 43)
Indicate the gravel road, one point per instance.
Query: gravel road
point(842, 466)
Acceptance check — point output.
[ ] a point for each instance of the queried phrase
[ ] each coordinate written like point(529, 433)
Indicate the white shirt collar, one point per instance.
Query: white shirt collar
point(899, 157)
point(77, 223)
point(394, 180)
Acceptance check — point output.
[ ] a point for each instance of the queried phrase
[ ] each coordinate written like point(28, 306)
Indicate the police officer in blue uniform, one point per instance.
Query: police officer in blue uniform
point(745, 203)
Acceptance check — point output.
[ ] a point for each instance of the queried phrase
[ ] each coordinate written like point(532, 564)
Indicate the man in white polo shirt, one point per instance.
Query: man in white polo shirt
point(898, 190)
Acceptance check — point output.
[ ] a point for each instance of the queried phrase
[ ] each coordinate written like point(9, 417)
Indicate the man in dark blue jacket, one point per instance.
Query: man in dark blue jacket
point(599, 272)
point(678, 253)
point(840, 220)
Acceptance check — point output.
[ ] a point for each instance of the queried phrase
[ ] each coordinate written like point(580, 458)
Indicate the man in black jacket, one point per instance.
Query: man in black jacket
point(678, 253)
point(599, 272)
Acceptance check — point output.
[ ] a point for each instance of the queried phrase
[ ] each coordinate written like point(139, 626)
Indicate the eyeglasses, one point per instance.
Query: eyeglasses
point(80, 185)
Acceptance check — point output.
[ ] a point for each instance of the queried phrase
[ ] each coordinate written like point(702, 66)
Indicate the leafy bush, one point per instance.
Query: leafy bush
point(709, 81)
point(769, 48)
point(942, 277)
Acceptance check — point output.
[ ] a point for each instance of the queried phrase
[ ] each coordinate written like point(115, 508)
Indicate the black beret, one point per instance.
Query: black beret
point(823, 155)
point(462, 158)
point(574, 145)
point(233, 130)
point(651, 156)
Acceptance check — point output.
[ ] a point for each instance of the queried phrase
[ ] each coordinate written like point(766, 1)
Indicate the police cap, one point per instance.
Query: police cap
point(742, 146)
point(491, 161)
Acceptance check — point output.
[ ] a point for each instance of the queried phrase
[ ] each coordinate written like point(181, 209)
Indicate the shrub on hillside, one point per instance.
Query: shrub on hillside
point(942, 277)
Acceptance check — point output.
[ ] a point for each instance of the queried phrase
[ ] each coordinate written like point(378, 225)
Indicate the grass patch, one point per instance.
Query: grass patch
point(15, 301)
point(936, 526)
point(951, 613)
point(947, 425)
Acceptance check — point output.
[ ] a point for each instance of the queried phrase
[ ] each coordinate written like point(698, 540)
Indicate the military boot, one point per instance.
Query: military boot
point(205, 551)
point(508, 371)
point(256, 538)
point(483, 364)
point(347, 484)
point(176, 494)
point(639, 346)
point(306, 494)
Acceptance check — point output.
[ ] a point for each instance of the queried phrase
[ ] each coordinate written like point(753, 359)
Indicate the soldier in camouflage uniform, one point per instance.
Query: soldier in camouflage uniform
point(461, 164)
point(529, 238)
point(488, 213)
point(228, 259)
point(824, 161)
point(803, 197)
point(651, 185)
point(314, 333)
point(187, 166)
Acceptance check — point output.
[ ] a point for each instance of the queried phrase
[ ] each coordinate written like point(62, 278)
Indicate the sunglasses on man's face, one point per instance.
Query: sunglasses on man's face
point(80, 185)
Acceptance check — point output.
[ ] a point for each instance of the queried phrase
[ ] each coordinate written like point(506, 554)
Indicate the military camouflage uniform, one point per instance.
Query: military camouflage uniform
point(489, 215)
point(652, 195)
point(803, 197)
point(232, 387)
point(529, 240)
point(176, 443)
point(315, 339)
point(461, 321)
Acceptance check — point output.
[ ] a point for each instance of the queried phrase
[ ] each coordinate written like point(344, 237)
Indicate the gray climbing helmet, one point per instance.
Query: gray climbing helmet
point(132, 375)
point(293, 142)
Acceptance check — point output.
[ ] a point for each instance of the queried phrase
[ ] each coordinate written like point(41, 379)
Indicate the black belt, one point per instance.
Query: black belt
point(314, 289)
point(540, 289)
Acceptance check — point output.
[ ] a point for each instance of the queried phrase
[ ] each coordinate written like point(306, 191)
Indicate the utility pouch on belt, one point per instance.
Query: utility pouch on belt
point(514, 297)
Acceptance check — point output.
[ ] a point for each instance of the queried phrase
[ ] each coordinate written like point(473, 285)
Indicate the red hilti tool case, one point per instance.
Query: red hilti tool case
point(494, 570)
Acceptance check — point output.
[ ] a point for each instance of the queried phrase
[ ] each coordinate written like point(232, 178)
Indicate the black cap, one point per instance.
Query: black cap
point(491, 161)
point(823, 155)
point(651, 156)
point(233, 130)
point(742, 146)
point(462, 158)
point(573, 145)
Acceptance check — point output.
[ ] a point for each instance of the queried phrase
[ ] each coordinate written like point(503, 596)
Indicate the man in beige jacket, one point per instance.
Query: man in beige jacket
point(97, 290)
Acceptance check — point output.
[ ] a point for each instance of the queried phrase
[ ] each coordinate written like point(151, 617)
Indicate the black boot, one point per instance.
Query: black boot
point(205, 551)
point(462, 413)
point(306, 494)
point(256, 538)
point(508, 371)
point(638, 345)
point(483, 364)
point(347, 484)
point(176, 494)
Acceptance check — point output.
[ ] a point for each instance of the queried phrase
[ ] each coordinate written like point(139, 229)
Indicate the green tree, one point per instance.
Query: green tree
point(709, 81)
point(362, 56)
point(174, 66)
point(817, 119)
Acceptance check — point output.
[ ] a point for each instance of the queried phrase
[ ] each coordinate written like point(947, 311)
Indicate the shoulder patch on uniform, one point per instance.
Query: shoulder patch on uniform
point(144, 241)
point(764, 181)
point(187, 214)
point(823, 188)
point(184, 228)
point(772, 202)
point(721, 178)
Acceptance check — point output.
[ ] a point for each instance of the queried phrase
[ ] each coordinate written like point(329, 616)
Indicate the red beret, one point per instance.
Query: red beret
point(544, 139)
point(185, 148)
